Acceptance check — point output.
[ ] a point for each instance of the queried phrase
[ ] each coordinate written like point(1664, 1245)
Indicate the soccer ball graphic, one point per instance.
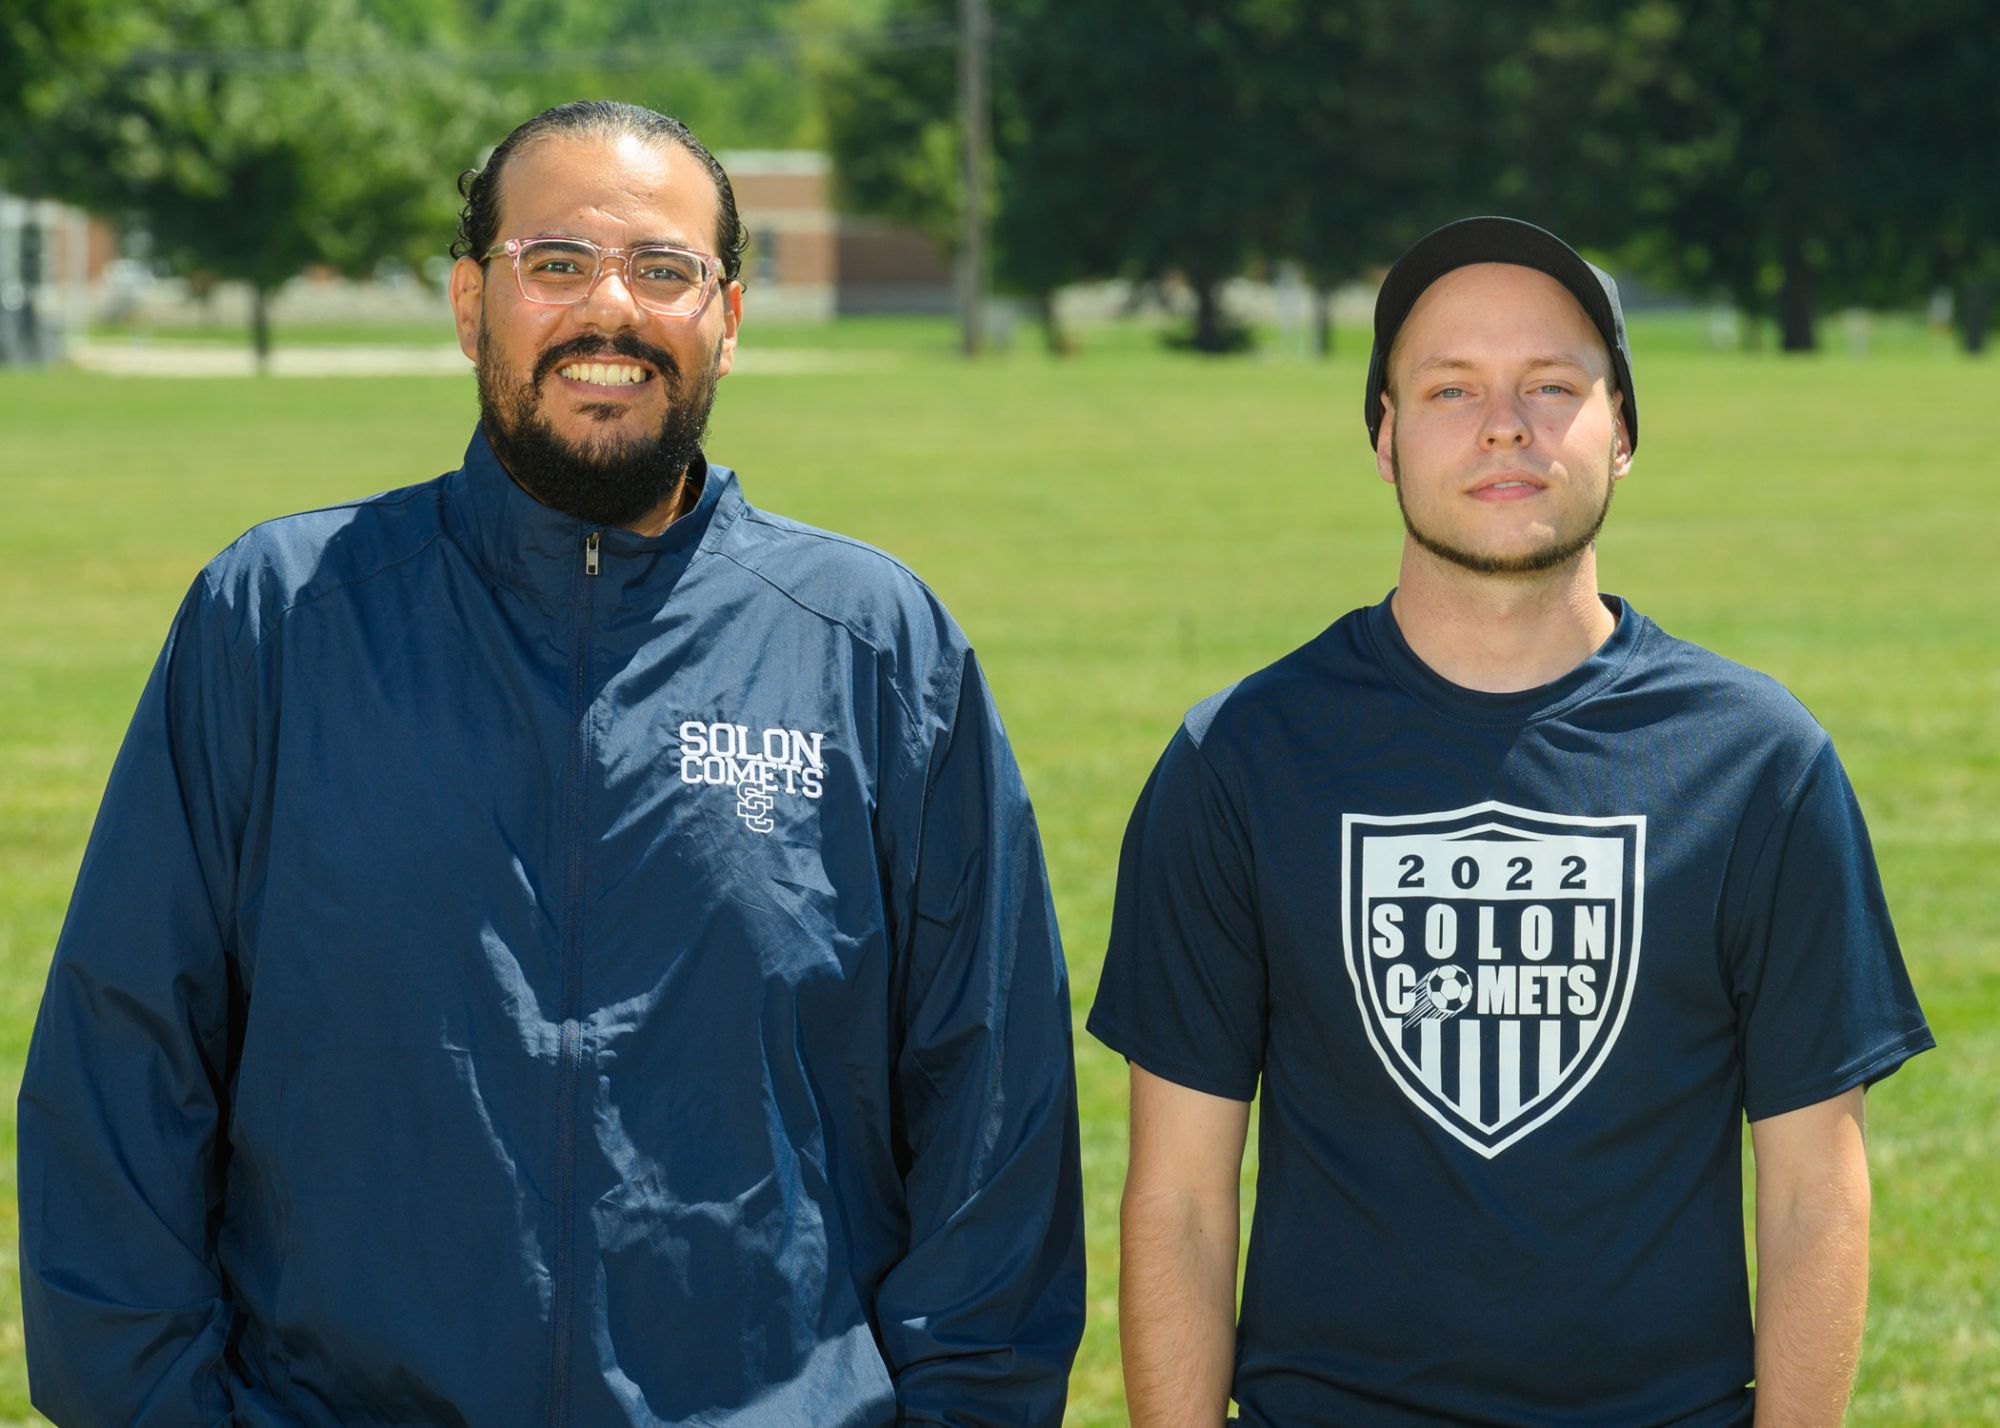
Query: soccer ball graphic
point(1447, 990)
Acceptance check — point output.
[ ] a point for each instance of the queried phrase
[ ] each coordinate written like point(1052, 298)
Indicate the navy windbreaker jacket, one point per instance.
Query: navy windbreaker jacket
point(523, 974)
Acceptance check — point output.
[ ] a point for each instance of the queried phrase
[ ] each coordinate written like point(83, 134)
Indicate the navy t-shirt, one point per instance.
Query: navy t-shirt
point(1510, 968)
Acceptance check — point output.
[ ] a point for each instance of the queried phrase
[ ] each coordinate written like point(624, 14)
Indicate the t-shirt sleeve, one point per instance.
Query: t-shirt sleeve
point(1823, 1000)
point(1183, 989)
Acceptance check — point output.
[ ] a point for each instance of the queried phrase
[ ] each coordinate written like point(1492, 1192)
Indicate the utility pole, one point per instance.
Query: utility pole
point(974, 33)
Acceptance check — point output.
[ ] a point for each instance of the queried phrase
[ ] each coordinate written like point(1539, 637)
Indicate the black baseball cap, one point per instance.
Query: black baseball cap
point(1496, 240)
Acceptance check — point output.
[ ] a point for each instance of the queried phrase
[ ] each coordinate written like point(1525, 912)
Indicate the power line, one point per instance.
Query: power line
point(623, 58)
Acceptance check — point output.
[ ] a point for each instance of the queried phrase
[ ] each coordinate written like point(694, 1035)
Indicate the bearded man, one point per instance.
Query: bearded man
point(560, 944)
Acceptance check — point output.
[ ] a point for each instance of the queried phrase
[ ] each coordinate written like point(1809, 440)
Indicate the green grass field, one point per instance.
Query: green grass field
point(1122, 534)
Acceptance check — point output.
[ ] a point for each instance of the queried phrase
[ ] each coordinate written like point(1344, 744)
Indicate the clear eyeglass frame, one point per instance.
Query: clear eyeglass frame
point(692, 302)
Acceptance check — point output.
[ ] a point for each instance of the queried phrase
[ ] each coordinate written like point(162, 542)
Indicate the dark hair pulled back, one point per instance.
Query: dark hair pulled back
point(479, 220)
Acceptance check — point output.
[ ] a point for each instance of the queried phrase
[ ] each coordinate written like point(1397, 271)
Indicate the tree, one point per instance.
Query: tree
point(730, 69)
point(1740, 147)
point(1371, 123)
point(894, 129)
point(1633, 127)
point(1130, 151)
point(250, 140)
point(890, 105)
point(1925, 160)
point(1054, 221)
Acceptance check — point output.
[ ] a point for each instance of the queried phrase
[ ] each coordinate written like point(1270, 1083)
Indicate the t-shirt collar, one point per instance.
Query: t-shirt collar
point(1475, 706)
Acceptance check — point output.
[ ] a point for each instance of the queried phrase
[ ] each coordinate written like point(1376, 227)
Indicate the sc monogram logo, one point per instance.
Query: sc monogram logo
point(753, 805)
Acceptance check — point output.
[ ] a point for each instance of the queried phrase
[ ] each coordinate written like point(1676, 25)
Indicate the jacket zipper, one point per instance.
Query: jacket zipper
point(569, 1052)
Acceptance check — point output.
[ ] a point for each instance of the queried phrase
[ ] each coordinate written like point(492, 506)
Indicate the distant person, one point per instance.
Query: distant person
point(1513, 905)
point(560, 944)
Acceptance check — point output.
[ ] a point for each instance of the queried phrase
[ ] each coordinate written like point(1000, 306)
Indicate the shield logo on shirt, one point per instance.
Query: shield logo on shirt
point(1493, 952)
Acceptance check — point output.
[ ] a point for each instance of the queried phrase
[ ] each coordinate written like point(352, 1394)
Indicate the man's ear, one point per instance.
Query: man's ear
point(1385, 442)
point(1621, 440)
point(468, 293)
point(732, 319)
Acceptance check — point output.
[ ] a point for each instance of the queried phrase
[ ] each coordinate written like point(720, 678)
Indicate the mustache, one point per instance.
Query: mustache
point(625, 344)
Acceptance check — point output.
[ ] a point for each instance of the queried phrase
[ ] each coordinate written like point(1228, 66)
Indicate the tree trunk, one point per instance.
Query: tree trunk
point(260, 329)
point(1322, 321)
point(1975, 307)
point(1054, 339)
point(1750, 334)
point(1795, 313)
point(1209, 335)
point(1795, 292)
point(1799, 157)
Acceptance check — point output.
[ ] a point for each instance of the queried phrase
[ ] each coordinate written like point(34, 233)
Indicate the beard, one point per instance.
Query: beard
point(606, 481)
point(1559, 551)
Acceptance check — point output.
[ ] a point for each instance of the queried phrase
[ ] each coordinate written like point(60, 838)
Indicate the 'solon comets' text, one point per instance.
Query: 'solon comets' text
point(779, 760)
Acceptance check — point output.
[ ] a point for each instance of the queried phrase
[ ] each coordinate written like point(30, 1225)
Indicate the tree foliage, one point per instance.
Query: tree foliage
point(1126, 153)
point(252, 139)
point(890, 99)
point(1374, 123)
point(737, 72)
point(248, 140)
point(1698, 134)
point(1786, 156)
point(1783, 155)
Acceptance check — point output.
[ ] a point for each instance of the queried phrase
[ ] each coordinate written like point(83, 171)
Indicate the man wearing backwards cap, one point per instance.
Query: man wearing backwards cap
point(1513, 903)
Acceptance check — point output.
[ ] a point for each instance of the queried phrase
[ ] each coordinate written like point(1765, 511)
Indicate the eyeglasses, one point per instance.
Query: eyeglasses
point(673, 282)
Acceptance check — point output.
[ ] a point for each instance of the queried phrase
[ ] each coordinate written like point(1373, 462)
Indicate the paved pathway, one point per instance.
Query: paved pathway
point(167, 358)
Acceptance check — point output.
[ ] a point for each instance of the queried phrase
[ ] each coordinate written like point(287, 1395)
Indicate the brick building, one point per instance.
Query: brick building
point(807, 261)
point(49, 257)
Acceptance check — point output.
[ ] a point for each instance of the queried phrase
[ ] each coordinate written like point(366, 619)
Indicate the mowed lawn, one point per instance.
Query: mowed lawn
point(1122, 534)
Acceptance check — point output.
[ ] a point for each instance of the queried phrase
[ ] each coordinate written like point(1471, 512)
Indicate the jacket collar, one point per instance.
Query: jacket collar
point(541, 552)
